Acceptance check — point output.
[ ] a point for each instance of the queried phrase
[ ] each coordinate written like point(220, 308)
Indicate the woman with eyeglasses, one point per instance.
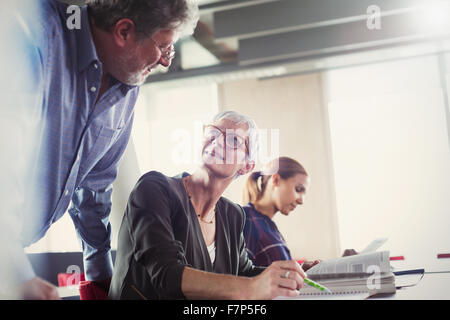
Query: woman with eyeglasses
point(180, 239)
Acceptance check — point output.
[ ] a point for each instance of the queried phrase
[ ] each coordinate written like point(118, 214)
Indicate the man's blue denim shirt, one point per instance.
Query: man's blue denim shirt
point(80, 142)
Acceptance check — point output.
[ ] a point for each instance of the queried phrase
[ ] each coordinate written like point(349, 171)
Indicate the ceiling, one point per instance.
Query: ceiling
point(287, 36)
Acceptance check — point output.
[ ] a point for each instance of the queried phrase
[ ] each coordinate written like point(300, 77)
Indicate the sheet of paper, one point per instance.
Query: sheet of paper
point(374, 245)
point(361, 263)
point(69, 291)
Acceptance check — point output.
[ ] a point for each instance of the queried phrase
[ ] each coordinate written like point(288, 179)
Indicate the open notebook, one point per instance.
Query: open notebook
point(352, 277)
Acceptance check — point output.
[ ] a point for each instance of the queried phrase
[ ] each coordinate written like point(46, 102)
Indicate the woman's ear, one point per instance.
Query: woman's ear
point(276, 179)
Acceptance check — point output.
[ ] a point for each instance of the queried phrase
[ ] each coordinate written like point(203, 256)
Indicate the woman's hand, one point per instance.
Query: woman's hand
point(281, 278)
point(309, 264)
point(349, 252)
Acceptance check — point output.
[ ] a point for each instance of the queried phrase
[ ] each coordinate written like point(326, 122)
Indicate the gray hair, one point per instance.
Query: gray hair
point(252, 131)
point(149, 16)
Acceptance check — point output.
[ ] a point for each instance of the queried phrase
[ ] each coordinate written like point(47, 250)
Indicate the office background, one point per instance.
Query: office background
point(363, 106)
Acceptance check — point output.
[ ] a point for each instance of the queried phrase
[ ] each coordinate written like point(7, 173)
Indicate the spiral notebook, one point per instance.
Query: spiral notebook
point(323, 296)
point(352, 277)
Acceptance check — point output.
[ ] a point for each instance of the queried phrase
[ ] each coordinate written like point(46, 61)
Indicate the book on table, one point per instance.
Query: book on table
point(358, 276)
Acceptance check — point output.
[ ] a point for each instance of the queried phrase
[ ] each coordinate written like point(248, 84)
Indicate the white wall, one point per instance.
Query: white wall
point(294, 107)
point(391, 157)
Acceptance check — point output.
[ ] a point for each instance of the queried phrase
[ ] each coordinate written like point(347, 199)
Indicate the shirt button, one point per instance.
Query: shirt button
point(93, 89)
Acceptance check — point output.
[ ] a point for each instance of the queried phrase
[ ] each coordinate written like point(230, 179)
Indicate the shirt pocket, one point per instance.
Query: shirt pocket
point(100, 146)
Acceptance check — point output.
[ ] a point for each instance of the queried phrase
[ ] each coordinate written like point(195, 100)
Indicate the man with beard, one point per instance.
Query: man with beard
point(85, 82)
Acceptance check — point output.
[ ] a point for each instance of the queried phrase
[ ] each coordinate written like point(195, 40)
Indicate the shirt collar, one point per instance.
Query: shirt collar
point(86, 52)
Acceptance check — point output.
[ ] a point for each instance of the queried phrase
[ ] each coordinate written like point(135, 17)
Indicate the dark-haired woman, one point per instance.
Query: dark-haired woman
point(280, 187)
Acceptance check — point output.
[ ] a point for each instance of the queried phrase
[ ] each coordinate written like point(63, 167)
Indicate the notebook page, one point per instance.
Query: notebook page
point(374, 245)
point(361, 263)
point(323, 296)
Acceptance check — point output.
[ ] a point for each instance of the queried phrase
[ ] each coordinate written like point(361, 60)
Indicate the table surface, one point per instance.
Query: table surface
point(433, 286)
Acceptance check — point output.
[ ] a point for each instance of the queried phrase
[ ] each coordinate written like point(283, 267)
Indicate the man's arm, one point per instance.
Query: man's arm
point(91, 206)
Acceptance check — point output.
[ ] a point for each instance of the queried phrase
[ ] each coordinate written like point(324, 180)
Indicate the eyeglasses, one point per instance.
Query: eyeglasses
point(168, 53)
point(232, 140)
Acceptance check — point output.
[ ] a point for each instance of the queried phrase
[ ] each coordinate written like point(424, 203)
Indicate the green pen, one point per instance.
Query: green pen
point(316, 285)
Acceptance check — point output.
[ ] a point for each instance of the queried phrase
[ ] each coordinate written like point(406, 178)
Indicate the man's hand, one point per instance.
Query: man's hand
point(281, 278)
point(37, 289)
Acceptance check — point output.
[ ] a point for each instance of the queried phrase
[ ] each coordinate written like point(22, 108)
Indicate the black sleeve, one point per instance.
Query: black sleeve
point(150, 211)
point(246, 266)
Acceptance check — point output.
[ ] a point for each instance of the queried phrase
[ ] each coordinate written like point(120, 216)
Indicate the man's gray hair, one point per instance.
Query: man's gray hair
point(149, 16)
point(252, 129)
